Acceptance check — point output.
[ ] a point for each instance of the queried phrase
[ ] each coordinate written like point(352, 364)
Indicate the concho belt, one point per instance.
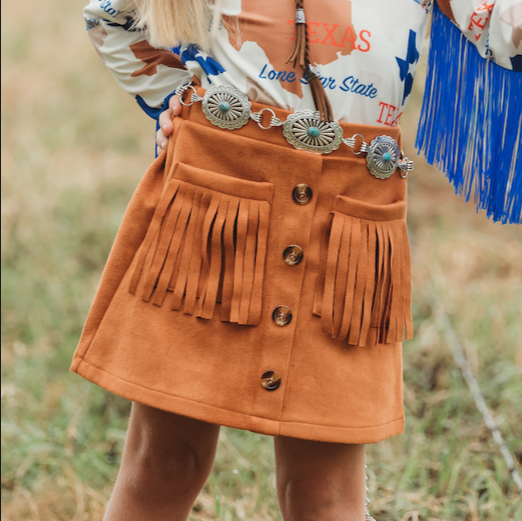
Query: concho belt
point(228, 108)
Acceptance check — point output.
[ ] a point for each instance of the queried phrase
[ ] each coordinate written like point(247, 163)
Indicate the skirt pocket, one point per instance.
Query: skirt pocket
point(207, 244)
point(367, 279)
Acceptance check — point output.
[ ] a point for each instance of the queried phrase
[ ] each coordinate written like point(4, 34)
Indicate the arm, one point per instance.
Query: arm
point(150, 75)
point(493, 26)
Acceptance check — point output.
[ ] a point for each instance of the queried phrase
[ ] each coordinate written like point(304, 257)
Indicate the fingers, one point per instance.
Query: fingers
point(165, 119)
point(162, 141)
point(175, 105)
point(166, 124)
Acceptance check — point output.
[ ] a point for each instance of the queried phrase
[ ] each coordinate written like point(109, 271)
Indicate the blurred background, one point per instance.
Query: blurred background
point(74, 147)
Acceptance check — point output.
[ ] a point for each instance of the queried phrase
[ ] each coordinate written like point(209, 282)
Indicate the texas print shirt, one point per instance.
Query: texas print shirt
point(366, 51)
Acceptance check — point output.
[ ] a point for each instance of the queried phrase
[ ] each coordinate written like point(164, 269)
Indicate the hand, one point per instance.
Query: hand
point(166, 124)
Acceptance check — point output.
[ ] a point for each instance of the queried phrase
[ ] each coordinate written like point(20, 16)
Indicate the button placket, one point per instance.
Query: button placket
point(294, 204)
point(292, 255)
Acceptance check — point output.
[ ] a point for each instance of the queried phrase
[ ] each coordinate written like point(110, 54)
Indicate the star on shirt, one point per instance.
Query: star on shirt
point(407, 66)
point(513, 17)
point(209, 65)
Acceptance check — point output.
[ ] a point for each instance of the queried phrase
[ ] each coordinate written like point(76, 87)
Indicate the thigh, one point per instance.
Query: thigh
point(327, 478)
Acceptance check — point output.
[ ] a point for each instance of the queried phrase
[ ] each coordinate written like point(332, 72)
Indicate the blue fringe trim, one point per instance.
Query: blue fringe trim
point(471, 123)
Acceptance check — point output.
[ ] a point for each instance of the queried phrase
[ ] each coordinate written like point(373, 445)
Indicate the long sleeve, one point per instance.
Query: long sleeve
point(494, 27)
point(150, 75)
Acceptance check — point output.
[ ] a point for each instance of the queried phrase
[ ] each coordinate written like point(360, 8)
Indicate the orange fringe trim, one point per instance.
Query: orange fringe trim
point(367, 280)
point(206, 247)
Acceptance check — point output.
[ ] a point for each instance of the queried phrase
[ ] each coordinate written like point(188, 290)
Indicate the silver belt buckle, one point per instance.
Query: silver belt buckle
point(383, 157)
point(226, 107)
point(304, 130)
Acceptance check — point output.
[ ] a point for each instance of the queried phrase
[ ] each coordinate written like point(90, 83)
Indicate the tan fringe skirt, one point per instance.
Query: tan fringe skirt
point(258, 286)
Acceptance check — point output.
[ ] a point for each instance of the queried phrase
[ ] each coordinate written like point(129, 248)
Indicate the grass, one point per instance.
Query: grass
point(74, 147)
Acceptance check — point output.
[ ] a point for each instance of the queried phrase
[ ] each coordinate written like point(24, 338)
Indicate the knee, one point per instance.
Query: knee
point(179, 466)
point(305, 499)
point(319, 497)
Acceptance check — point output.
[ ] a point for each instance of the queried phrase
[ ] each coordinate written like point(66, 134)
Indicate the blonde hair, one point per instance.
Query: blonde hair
point(171, 22)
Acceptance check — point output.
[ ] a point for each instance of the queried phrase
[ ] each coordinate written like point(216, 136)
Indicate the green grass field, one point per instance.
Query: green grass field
point(73, 149)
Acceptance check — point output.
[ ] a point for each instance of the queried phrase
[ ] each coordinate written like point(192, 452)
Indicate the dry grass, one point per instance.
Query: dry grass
point(74, 147)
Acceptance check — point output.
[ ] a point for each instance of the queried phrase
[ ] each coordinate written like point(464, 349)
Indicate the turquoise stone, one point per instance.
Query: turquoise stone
point(313, 132)
point(387, 157)
point(224, 106)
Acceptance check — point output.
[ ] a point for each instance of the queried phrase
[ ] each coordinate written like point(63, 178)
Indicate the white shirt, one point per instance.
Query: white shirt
point(366, 50)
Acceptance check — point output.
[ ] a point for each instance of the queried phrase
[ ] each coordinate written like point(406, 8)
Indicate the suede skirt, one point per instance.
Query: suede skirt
point(258, 286)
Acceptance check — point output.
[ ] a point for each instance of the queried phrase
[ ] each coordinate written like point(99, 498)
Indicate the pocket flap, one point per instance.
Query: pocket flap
point(224, 184)
point(370, 212)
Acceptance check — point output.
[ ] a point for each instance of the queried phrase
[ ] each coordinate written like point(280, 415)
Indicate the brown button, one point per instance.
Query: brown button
point(302, 194)
point(282, 316)
point(271, 380)
point(293, 255)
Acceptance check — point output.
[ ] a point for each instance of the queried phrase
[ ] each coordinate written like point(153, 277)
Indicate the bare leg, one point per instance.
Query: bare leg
point(166, 461)
point(320, 481)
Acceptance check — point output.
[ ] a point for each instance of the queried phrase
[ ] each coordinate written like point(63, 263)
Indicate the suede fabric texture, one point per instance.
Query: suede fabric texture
point(183, 318)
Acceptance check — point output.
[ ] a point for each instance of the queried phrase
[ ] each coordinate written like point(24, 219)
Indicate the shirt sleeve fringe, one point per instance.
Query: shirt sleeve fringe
point(471, 123)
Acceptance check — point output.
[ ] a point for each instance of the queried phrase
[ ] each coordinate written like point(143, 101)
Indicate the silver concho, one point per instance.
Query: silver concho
point(226, 107)
point(383, 157)
point(304, 130)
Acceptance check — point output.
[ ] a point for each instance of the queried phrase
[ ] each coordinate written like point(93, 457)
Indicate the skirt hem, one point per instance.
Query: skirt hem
point(217, 415)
